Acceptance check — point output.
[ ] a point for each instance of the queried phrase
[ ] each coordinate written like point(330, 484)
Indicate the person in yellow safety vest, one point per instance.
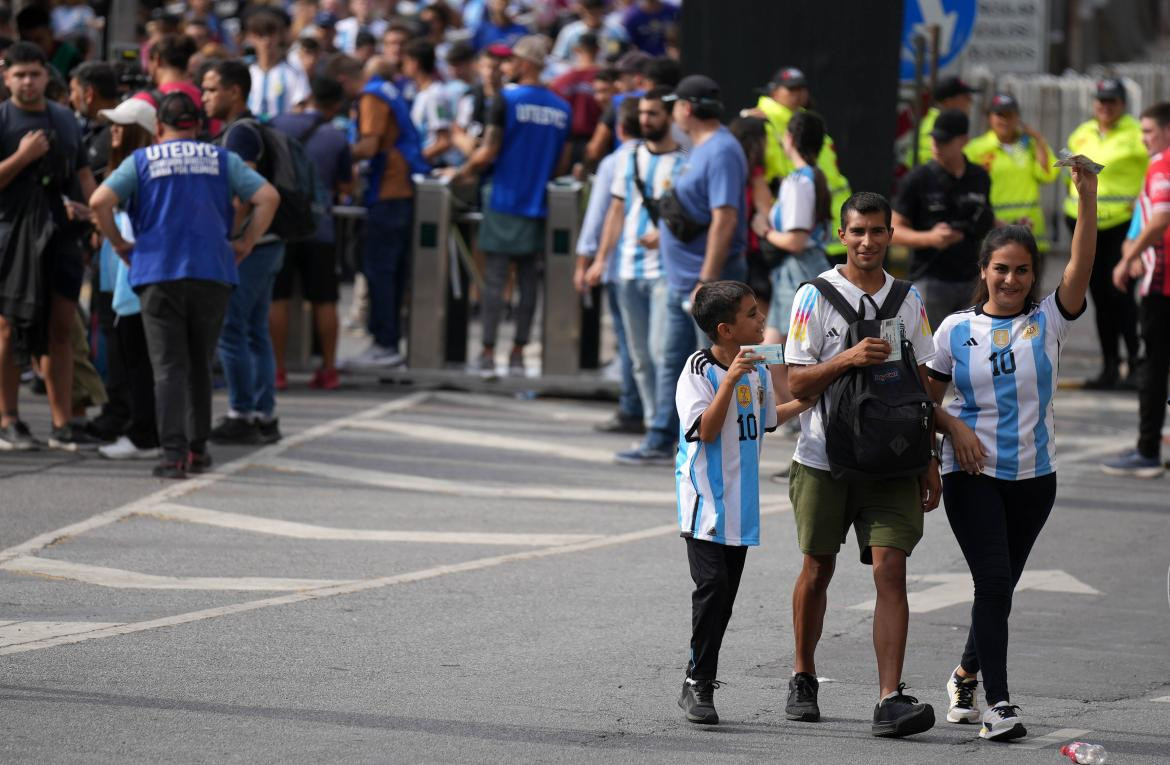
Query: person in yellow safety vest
point(949, 93)
point(786, 94)
point(1113, 139)
point(1018, 160)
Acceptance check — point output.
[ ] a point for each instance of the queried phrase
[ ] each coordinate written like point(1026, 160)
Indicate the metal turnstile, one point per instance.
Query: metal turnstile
point(561, 335)
point(429, 275)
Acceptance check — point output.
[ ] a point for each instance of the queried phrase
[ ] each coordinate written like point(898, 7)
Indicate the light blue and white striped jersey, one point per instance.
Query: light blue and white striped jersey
point(795, 208)
point(1004, 370)
point(718, 483)
point(659, 173)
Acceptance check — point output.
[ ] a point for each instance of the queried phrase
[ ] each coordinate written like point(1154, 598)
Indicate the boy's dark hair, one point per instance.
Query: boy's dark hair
point(265, 22)
point(1159, 113)
point(25, 53)
point(718, 303)
point(32, 17)
point(866, 202)
point(460, 52)
point(588, 41)
point(175, 52)
point(100, 76)
point(327, 91)
point(608, 74)
point(628, 118)
point(234, 73)
point(423, 53)
point(664, 71)
point(364, 40)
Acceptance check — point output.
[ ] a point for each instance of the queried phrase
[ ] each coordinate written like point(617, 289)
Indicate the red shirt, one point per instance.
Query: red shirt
point(576, 87)
point(1155, 198)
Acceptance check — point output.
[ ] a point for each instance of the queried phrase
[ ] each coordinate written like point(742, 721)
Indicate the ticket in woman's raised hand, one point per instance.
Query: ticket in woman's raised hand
point(1078, 160)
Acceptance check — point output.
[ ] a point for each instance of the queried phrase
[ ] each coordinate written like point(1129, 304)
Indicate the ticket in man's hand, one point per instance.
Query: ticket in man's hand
point(772, 353)
point(1068, 159)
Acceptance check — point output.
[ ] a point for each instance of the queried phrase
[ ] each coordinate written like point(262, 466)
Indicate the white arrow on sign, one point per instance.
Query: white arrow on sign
point(953, 589)
point(934, 15)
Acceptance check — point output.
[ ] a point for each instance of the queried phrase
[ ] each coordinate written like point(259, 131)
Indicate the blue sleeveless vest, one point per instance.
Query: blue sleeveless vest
point(535, 128)
point(408, 144)
point(182, 215)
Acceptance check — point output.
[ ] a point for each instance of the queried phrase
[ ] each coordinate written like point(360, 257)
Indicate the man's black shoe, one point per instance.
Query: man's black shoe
point(167, 469)
point(235, 430)
point(901, 715)
point(269, 432)
point(620, 424)
point(198, 462)
point(802, 698)
point(698, 701)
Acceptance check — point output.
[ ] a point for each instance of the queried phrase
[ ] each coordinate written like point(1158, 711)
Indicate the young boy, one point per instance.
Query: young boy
point(725, 405)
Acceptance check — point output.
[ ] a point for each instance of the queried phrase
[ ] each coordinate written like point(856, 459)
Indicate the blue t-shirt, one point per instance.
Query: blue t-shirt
point(535, 122)
point(648, 30)
point(713, 175)
point(488, 33)
point(329, 151)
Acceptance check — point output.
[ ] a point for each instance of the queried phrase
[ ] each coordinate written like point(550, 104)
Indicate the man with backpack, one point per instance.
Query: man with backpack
point(865, 457)
point(245, 348)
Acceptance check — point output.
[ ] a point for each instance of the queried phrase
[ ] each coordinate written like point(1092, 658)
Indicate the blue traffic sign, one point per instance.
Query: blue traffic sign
point(955, 20)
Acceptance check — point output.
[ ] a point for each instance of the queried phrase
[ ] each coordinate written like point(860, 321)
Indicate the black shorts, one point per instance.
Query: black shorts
point(68, 266)
point(316, 262)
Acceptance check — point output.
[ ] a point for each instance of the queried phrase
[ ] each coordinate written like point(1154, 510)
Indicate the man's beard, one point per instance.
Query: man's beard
point(657, 135)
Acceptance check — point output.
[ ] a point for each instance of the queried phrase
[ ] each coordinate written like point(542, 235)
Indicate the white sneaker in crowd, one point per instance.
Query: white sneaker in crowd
point(1002, 723)
point(961, 697)
point(124, 449)
point(374, 357)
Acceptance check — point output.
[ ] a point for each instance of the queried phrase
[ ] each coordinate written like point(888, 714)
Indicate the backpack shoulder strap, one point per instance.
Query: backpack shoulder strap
point(638, 182)
point(894, 300)
point(835, 298)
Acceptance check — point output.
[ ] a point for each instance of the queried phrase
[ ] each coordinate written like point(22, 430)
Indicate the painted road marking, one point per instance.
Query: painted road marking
point(1055, 737)
point(17, 633)
point(1163, 699)
point(420, 484)
point(491, 441)
point(123, 579)
point(953, 589)
point(364, 585)
point(173, 512)
point(182, 488)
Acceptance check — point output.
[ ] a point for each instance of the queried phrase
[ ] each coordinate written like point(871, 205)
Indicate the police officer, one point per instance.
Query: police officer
point(1114, 139)
point(179, 194)
point(786, 94)
point(1018, 160)
point(949, 93)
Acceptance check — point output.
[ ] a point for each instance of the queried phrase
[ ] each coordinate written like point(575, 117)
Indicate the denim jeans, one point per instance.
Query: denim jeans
point(681, 337)
point(629, 399)
point(387, 266)
point(641, 302)
point(245, 347)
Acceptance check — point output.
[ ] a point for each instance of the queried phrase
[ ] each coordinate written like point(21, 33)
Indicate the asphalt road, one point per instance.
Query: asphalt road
point(441, 577)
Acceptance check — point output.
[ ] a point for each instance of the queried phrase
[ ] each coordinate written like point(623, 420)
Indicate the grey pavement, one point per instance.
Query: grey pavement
point(428, 576)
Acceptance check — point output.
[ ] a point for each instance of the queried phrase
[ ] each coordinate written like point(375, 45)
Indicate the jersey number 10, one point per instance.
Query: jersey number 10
point(747, 427)
point(1003, 363)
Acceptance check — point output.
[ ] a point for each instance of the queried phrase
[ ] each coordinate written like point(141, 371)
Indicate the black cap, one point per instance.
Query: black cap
point(949, 87)
point(789, 77)
point(951, 123)
point(695, 88)
point(1110, 89)
point(178, 110)
point(1003, 103)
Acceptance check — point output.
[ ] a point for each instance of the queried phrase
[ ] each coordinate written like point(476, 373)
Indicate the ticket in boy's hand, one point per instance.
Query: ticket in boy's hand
point(892, 334)
point(772, 353)
point(1068, 159)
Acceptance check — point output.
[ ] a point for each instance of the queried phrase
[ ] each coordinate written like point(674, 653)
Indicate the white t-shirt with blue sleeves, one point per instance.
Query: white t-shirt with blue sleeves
point(658, 172)
point(1004, 370)
point(795, 208)
point(718, 483)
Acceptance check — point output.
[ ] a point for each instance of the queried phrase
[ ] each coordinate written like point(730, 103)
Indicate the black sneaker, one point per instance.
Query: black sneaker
point(620, 424)
point(698, 701)
point(235, 430)
point(269, 431)
point(73, 438)
point(198, 462)
point(170, 469)
point(901, 715)
point(802, 698)
point(16, 437)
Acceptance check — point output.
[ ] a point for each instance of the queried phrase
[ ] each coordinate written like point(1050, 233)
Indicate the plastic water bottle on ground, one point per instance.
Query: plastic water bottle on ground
point(1084, 753)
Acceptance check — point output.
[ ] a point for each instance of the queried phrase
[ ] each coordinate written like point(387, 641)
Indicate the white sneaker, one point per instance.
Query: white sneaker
point(1002, 723)
point(124, 449)
point(961, 695)
point(374, 357)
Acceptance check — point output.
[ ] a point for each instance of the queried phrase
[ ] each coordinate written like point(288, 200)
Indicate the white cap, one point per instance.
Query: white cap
point(133, 111)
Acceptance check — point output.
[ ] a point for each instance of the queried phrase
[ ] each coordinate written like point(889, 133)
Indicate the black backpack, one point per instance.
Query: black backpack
point(879, 419)
point(286, 165)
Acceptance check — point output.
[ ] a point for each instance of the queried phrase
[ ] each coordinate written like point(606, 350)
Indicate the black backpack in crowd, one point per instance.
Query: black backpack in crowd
point(879, 419)
point(286, 165)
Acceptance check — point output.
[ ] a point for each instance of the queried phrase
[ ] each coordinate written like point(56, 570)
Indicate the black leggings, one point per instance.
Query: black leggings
point(996, 523)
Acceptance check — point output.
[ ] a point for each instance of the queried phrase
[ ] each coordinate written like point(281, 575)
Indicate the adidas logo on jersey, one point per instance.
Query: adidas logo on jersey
point(832, 332)
point(970, 342)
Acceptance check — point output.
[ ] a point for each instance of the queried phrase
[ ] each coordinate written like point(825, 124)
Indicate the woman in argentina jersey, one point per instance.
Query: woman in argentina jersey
point(998, 459)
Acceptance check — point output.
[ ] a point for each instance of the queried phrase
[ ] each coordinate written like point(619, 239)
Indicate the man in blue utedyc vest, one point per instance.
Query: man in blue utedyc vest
point(526, 139)
point(183, 264)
